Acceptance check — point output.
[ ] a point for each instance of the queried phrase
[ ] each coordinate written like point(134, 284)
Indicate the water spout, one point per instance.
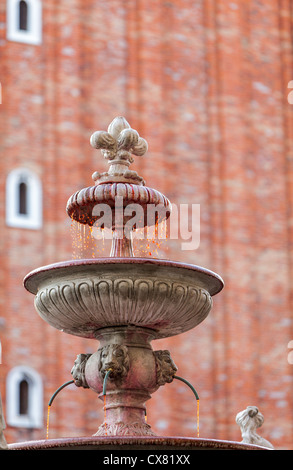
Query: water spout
point(104, 394)
point(105, 381)
point(52, 399)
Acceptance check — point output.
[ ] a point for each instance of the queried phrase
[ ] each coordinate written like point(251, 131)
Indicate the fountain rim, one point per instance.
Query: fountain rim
point(30, 281)
point(146, 443)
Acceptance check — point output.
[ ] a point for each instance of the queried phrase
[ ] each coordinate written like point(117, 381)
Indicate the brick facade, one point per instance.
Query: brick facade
point(206, 83)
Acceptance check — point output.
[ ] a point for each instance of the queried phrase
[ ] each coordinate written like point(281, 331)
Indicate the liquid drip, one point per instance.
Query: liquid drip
point(93, 242)
point(84, 243)
point(149, 243)
point(197, 417)
point(48, 417)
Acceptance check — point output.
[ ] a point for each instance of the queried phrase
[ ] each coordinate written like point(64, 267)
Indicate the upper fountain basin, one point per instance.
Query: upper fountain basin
point(82, 296)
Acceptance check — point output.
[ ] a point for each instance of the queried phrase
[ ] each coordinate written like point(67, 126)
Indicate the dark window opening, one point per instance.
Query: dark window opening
point(23, 397)
point(23, 16)
point(22, 199)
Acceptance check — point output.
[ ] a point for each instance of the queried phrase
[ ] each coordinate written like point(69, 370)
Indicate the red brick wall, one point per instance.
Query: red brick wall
point(206, 84)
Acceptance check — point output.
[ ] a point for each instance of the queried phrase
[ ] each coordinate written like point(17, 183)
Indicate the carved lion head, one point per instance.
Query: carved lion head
point(166, 369)
point(116, 358)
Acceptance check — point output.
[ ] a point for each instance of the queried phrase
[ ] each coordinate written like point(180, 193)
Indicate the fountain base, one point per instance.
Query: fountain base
point(122, 429)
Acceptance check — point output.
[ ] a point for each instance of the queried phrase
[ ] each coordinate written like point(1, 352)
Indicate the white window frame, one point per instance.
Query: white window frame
point(34, 416)
point(33, 218)
point(33, 35)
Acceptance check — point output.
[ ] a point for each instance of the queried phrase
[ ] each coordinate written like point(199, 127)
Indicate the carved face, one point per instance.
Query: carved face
point(114, 357)
point(166, 369)
point(78, 370)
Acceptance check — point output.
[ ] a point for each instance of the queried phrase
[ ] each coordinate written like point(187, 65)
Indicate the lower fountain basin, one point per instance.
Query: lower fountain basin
point(111, 444)
point(80, 297)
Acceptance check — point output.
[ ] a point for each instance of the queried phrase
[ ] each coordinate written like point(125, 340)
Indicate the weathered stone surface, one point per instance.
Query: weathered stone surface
point(124, 303)
point(249, 421)
point(83, 296)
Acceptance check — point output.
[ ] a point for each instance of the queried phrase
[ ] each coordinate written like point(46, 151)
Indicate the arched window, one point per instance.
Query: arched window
point(24, 398)
point(23, 199)
point(23, 16)
point(24, 21)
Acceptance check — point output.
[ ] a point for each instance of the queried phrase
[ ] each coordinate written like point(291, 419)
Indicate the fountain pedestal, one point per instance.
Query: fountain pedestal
point(127, 353)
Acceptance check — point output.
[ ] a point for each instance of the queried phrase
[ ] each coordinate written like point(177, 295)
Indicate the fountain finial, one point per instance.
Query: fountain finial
point(118, 145)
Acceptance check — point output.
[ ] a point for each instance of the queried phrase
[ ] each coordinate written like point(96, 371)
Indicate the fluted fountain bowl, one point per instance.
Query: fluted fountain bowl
point(82, 296)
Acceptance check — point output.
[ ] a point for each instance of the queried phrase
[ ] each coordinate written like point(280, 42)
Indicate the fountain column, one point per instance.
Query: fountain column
point(135, 372)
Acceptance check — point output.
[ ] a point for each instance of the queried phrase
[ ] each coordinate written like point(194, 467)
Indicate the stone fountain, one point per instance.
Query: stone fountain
point(123, 301)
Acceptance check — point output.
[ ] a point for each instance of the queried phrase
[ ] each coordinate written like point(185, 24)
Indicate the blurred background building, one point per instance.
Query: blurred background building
point(206, 83)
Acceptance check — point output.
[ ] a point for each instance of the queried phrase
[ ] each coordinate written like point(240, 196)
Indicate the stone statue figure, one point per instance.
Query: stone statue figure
point(249, 420)
point(3, 444)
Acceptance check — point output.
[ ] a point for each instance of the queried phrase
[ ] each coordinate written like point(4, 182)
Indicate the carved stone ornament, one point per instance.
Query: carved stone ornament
point(249, 420)
point(116, 358)
point(165, 367)
point(117, 146)
point(78, 370)
point(85, 296)
point(122, 429)
point(119, 182)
